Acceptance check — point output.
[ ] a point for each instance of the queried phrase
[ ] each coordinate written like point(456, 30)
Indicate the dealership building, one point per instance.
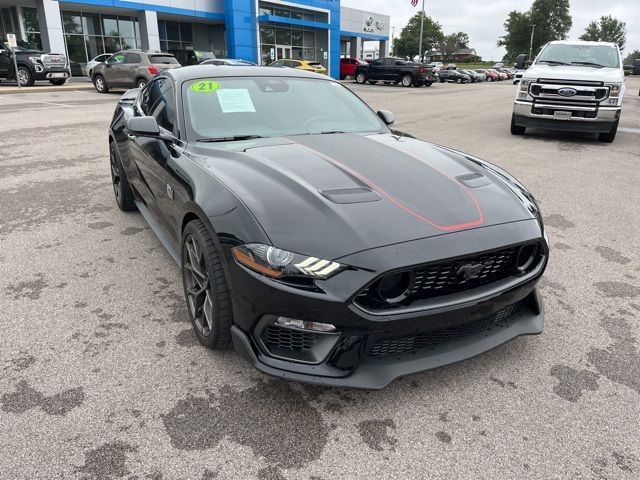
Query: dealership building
point(255, 30)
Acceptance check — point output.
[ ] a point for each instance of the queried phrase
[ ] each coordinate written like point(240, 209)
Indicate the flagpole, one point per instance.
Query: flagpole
point(421, 28)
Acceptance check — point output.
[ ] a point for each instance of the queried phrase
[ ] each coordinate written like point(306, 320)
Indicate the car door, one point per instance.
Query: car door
point(130, 68)
point(113, 71)
point(150, 154)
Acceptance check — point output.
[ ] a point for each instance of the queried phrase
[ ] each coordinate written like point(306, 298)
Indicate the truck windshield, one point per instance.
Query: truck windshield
point(586, 55)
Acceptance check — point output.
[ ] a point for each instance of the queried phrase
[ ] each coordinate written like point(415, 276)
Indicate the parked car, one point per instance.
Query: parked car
point(573, 86)
point(395, 70)
point(191, 57)
point(131, 68)
point(506, 71)
point(517, 76)
point(475, 76)
point(489, 75)
point(501, 75)
point(33, 64)
point(229, 61)
point(348, 67)
point(308, 65)
point(95, 61)
point(453, 76)
point(245, 173)
point(436, 65)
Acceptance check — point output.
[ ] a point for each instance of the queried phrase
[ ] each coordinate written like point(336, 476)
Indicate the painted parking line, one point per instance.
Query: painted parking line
point(36, 101)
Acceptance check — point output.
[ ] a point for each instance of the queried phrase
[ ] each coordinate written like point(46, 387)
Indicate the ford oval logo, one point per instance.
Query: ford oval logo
point(567, 92)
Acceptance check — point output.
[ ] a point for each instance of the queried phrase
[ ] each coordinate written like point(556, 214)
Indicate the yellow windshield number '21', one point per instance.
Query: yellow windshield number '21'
point(205, 86)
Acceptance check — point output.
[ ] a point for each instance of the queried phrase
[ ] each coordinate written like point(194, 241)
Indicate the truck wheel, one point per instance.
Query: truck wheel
point(141, 83)
point(611, 136)
point(516, 129)
point(25, 78)
point(100, 83)
point(58, 81)
point(205, 287)
point(373, 82)
point(406, 80)
point(361, 78)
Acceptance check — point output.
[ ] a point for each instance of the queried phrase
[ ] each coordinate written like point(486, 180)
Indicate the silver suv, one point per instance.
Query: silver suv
point(130, 69)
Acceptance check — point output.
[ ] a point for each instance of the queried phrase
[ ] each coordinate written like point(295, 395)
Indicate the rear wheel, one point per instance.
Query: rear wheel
point(205, 287)
point(442, 80)
point(100, 83)
point(58, 81)
point(141, 83)
point(458, 80)
point(25, 78)
point(361, 78)
point(611, 135)
point(516, 129)
point(406, 80)
point(428, 84)
point(121, 188)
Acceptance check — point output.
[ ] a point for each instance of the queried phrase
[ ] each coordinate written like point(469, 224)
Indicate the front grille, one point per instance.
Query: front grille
point(548, 90)
point(435, 339)
point(53, 61)
point(277, 338)
point(450, 277)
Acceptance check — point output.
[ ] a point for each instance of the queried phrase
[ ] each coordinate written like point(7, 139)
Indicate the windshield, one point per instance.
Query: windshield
point(587, 55)
point(227, 107)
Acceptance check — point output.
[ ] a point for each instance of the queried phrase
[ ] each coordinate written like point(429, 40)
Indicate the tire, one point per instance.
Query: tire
point(25, 77)
point(206, 291)
point(121, 188)
point(101, 84)
point(141, 83)
point(459, 80)
point(406, 80)
point(516, 129)
point(428, 84)
point(611, 135)
point(442, 80)
point(342, 77)
point(361, 78)
point(490, 79)
point(58, 81)
point(372, 82)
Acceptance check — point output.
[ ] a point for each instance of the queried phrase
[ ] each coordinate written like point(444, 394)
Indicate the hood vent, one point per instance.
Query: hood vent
point(351, 195)
point(473, 180)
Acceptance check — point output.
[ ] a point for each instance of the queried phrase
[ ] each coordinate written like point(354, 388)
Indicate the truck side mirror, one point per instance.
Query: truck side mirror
point(520, 61)
point(387, 117)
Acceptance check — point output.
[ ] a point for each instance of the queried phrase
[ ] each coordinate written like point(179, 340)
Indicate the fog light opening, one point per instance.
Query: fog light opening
point(527, 254)
point(395, 287)
point(304, 325)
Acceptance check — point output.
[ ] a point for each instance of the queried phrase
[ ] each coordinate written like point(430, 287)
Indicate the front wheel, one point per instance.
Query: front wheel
point(361, 78)
point(25, 77)
point(205, 287)
point(458, 80)
point(428, 84)
point(516, 129)
point(100, 83)
point(611, 135)
point(406, 80)
point(58, 81)
point(121, 188)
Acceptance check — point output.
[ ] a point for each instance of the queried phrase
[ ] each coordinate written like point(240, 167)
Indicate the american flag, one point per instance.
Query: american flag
point(414, 3)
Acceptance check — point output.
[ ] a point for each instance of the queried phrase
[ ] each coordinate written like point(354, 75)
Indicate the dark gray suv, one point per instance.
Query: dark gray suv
point(130, 69)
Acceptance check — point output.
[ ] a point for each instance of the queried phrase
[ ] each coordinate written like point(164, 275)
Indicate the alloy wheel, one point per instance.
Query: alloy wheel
point(198, 286)
point(99, 84)
point(23, 77)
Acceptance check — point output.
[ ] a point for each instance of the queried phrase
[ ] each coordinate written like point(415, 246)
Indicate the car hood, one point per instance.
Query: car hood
point(573, 72)
point(335, 194)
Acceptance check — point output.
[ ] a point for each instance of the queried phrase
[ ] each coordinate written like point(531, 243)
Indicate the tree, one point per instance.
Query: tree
point(608, 30)
point(552, 22)
point(452, 42)
point(632, 57)
point(406, 45)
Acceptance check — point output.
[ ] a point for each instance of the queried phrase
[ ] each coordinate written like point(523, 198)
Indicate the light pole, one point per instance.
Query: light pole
point(533, 29)
point(421, 28)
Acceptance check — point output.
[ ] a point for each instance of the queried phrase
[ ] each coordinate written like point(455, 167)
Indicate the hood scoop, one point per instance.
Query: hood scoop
point(351, 195)
point(473, 180)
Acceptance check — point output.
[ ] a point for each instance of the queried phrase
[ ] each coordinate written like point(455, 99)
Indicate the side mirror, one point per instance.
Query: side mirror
point(387, 117)
point(528, 63)
point(146, 127)
point(520, 61)
point(3, 51)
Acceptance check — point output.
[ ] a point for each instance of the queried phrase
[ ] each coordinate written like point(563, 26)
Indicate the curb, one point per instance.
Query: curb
point(11, 89)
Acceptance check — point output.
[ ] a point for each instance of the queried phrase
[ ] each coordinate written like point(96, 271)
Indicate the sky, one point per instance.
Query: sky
point(484, 20)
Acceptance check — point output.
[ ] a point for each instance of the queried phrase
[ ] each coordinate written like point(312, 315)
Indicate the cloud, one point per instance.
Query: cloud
point(483, 21)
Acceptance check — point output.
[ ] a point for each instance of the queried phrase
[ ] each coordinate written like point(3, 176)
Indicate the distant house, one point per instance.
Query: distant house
point(464, 53)
point(433, 56)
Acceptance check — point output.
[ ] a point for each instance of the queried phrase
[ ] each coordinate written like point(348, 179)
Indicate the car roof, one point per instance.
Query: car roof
point(581, 42)
point(192, 72)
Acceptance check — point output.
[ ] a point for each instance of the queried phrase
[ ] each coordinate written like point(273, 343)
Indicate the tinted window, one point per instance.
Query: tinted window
point(132, 58)
point(117, 58)
point(157, 101)
point(163, 59)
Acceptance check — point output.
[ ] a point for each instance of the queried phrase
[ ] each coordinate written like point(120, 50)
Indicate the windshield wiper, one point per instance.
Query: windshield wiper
point(590, 64)
point(229, 139)
point(552, 62)
point(328, 132)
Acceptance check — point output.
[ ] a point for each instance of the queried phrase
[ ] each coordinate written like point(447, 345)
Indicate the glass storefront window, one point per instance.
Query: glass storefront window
point(298, 53)
point(111, 44)
point(94, 46)
point(185, 33)
point(71, 22)
point(125, 27)
point(128, 43)
point(267, 35)
point(296, 37)
point(76, 53)
point(30, 18)
point(91, 24)
point(110, 23)
point(173, 31)
point(283, 36)
point(267, 54)
point(281, 12)
point(309, 38)
point(33, 38)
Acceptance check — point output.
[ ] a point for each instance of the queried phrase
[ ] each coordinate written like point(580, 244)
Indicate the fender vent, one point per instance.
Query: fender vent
point(473, 180)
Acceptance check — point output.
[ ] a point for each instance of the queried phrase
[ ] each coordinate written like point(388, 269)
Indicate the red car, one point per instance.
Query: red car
point(503, 76)
point(348, 67)
point(489, 75)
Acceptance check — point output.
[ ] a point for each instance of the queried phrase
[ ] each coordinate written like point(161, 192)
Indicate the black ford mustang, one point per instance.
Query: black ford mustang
point(327, 247)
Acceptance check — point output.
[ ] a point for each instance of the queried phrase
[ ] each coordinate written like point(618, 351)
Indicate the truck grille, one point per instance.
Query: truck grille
point(433, 340)
point(53, 60)
point(574, 91)
point(451, 276)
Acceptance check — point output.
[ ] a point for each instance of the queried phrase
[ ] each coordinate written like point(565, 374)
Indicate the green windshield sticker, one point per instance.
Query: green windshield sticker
point(205, 86)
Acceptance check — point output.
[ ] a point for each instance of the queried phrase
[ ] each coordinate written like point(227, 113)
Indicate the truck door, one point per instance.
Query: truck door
point(376, 70)
point(5, 61)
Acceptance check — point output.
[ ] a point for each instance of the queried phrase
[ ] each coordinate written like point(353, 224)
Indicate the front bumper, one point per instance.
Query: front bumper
point(369, 349)
point(51, 73)
point(602, 122)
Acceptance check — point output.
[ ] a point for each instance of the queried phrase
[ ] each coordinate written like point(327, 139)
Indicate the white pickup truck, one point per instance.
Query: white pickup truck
point(572, 86)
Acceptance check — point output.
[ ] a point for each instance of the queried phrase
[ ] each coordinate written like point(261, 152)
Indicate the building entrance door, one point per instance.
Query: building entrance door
point(283, 51)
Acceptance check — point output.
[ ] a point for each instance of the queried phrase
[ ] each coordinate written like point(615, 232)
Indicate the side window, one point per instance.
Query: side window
point(158, 101)
point(116, 59)
point(150, 95)
point(132, 58)
point(377, 63)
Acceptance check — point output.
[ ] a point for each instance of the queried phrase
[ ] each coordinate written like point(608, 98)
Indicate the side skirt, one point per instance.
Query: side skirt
point(160, 232)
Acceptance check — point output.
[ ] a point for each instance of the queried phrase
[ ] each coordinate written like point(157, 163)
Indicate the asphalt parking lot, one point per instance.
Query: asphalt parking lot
point(101, 377)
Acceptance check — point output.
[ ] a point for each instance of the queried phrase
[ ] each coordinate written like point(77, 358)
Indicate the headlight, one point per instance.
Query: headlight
point(523, 90)
point(277, 263)
point(34, 59)
point(614, 94)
